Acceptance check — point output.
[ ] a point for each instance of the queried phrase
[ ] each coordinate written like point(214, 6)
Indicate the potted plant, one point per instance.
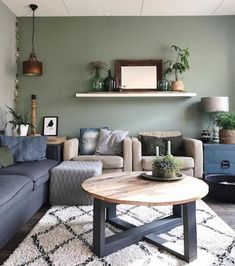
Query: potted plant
point(97, 83)
point(166, 166)
point(177, 67)
point(19, 122)
point(226, 122)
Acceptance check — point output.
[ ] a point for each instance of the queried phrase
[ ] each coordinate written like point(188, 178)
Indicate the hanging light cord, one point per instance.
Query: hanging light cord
point(33, 32)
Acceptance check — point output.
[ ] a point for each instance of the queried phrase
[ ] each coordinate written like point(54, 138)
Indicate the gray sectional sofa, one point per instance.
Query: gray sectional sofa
point(23, 190)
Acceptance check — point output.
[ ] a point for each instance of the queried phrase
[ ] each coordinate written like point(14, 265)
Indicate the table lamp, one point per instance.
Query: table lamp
point(213, 105)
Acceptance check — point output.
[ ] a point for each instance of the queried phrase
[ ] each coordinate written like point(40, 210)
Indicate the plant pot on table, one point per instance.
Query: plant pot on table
point(227, 136)
point(20, 130)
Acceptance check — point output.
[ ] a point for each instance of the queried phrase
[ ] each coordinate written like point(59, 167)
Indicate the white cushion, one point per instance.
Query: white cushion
point(108, 161)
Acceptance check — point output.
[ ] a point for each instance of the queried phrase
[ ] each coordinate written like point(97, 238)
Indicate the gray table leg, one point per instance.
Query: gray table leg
point(111, 212)
point(98, 227)
point(190, 231)
point(103, 246)
point(177, 210)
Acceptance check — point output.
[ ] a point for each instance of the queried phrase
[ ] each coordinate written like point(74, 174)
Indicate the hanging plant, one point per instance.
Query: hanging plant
point(16, 91)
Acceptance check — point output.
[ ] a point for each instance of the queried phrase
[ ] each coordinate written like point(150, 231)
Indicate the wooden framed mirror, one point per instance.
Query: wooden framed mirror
point(138, 75)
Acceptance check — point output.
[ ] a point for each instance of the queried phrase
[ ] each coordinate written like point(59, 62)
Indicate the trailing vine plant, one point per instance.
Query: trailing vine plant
point(17, 54)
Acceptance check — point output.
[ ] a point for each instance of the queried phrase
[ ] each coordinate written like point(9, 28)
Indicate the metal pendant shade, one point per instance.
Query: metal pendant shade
point(32, 67)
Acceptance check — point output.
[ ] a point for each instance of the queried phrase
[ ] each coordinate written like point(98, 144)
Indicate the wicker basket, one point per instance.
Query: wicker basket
point(177, 85)
point(227, 136)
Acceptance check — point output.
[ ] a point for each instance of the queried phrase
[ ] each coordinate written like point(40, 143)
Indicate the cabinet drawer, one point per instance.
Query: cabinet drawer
point(219, 158)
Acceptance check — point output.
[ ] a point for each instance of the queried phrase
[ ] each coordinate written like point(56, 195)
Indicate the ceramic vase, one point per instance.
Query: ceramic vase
point(21, 130)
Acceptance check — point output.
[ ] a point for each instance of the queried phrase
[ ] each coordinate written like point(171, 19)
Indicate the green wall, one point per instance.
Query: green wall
point(66, 45)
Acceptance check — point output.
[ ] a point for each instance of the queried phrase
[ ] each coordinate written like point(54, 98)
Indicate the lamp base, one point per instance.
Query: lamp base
point(215, 134)
point(215, 140)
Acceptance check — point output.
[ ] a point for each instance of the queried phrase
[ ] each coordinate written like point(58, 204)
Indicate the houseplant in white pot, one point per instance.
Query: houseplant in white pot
point(177, 67)
point(20, 123)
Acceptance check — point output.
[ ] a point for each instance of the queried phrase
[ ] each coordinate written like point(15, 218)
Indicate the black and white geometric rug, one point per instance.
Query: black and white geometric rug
point(64, 237)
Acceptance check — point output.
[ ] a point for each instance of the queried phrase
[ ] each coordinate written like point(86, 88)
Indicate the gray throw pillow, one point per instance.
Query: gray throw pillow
point(6, 158)
point(26, 149)
point(110, 142)
point(88, 140)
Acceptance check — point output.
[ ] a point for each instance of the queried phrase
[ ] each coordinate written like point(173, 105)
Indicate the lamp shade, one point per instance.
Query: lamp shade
point(215, 104)
point(32, 67)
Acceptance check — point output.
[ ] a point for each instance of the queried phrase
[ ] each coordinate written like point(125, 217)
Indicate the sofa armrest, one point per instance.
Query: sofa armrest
point(137, 154)
point(193, 148)
point(70, 148)
point(127, 154)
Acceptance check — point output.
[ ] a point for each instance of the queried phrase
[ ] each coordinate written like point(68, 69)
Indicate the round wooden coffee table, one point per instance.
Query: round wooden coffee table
point(111, 189)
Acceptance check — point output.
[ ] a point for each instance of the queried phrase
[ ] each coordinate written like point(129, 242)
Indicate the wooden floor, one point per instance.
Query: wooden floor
point(6, 251)
point(225, 210)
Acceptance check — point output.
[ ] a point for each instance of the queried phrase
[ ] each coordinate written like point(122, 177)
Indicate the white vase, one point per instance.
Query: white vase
point(22, 132)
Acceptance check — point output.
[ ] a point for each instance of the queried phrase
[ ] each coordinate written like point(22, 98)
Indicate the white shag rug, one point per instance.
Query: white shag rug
point(64, 237)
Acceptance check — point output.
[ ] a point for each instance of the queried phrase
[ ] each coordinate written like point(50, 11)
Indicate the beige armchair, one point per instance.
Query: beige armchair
point(111, 163)
point(192, 161)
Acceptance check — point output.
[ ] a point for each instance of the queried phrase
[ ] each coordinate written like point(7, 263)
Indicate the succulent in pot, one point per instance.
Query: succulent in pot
point(226, 122)
point(20, 123)
point(166, 166)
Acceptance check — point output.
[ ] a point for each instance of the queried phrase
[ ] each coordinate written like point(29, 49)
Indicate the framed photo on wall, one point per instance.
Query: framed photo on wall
point(50, 125)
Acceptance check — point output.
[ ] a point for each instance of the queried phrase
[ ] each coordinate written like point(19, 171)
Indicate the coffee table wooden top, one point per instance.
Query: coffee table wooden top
point(131, 188)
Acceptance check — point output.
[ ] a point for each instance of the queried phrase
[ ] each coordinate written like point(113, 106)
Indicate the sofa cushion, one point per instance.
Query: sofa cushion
point(149, 144)
point(88, 140)
point(38, 171)
point(6, 157)
point(187, 162)
point(12, 189)
point(110, 142)
point(108, 161)
point(27, 148)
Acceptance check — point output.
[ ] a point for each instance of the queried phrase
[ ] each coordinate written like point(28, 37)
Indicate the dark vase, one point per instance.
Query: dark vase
point(97, 82)
point(109, 82)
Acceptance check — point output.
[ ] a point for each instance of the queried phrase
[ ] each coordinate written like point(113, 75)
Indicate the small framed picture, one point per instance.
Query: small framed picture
point(50, 125)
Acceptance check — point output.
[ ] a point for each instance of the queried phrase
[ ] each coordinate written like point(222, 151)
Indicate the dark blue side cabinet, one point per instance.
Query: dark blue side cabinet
point(219, 159)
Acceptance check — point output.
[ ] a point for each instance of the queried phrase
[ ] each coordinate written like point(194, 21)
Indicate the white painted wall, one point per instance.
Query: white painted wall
point(7, 61)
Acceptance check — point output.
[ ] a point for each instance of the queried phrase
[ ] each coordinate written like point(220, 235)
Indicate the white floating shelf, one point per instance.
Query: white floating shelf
point(134, 94)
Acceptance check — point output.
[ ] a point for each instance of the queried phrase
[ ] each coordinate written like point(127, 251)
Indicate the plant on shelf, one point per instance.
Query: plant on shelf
point(19, 122)
point(177, 67)
point(166, 166)
point(97, 83)
point(226, 122)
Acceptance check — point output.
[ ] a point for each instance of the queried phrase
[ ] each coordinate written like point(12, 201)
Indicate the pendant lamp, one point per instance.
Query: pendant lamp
point(32, 67)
